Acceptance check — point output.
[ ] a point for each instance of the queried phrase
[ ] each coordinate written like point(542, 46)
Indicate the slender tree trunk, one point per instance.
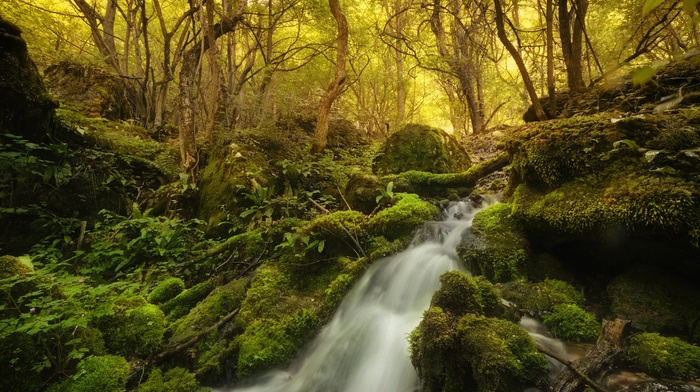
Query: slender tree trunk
point(213, 101)
point(400, 85)
point(336, 86)
point(539, 112)
point(551, 87)
point(571, 43)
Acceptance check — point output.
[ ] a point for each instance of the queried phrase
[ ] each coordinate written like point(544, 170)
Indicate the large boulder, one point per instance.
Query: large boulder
point(26, 108)
point(94, 91)
point(422, 148)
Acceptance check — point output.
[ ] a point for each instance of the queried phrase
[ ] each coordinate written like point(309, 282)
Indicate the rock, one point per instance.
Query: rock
point(26, 109)
point(422, 148)
point(96, 92)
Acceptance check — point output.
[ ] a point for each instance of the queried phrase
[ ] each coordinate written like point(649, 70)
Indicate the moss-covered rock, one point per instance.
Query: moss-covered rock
point(106, 373)
point(656, 301)
point(400, 220)
point(419, 147)
point(174, 380)
point(475, 353)
point(541, 298)
point(459, 294)
point(186, 300)
point(665, 357)
point(267, 343)
point(137, 328)
point(166, 290)
point(569, 322)
point(497, 247)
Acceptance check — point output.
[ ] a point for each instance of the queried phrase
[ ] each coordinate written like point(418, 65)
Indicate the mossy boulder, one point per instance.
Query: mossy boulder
point(94, 91)
point(107, 373)
point(399, 221)
point(26, 108)
point(475, 353)
point(656, 301)
point(136, 328)
point(422, 148)
point(585, 177)
point(661, 356)
point(166, 290)
point(570, 322)
point(174, 380)
point(459, 294)
point(496, 246)
point(541, 298)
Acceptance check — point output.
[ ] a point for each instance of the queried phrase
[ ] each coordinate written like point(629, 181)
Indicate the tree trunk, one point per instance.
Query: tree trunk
point(607, 354)
point(400, 85)
point(551, 87)
point(539, 112)
point(571, 43)
point(334, 89)
point(214, 71)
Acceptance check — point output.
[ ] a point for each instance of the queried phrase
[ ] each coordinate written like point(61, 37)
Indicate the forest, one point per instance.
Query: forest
point(197, 194)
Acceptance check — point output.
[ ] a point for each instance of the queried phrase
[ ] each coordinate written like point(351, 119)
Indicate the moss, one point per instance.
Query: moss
point(106, 373)
point(135, 329)
point(655, 301)
point(335, 229)
point(379, 247)
point(186, 300)
point(475, 353)
point(419, 147)
point(335, 293)
point(166, 290)
point(543, 297)
point(175, 380)
point(264, 294)
point(665, 357)
point(401, 219)
point(503, 356)
point(569, 322)
point(498, 248)
point(267, 343)
point(459, 294)
point(13, 266)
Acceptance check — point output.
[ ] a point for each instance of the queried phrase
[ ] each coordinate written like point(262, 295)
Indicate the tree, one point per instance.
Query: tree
point(335, 88)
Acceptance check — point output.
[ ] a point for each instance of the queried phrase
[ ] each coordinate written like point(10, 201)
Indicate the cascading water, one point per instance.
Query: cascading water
point(364, 348)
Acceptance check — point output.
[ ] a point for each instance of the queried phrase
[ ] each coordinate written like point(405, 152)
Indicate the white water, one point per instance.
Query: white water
point(364, 348)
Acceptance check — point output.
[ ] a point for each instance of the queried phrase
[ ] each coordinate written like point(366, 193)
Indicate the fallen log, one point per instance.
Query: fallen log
point(607, 354)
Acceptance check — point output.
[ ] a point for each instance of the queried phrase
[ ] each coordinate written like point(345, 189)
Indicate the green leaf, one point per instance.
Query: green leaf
point(650, 5)
point(321, 245)
point(378, 198)
point(389, 187)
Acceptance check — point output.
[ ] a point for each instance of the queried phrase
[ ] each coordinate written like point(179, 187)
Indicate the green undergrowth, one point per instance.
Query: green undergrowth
point(101, 373)
point(571, 323)
point(174, 380)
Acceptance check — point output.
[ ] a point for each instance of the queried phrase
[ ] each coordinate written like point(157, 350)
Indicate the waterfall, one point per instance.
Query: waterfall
point(364, 348)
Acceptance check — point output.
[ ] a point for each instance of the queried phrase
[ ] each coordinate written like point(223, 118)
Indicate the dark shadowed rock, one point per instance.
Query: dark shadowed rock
point(26, 108)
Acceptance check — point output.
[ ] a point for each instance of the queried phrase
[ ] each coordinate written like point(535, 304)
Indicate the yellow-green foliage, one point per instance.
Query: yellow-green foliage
point(498, 248)
point(267, 343)
point(401, 219)
point(166, 290)
point(665, 357)
point(136, 328)
point(106, 373)
point(379, 246)
point(460, 294)
point(569, 322)
point(13, 266)
point(419, 147)
point(541, 297)
point(186, 300)
point(503, 356)
point(174, 380)
point(337, 290)
point(655, 301)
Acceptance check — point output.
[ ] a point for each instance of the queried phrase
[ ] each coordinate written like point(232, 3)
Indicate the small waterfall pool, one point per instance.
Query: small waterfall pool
point(364, 348)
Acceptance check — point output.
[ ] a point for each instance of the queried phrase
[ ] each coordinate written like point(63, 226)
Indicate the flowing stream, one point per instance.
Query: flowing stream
point(364, 348)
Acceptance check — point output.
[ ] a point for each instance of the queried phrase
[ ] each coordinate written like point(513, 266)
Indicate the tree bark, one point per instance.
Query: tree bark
point(336, 86)
point(571, 42)
point(551, 87)
point(539, 112)
point(607, 354)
